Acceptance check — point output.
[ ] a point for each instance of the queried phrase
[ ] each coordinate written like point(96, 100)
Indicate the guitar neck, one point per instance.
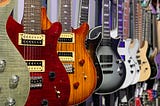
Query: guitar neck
point(126, 19)
point(65, 15)
point(32, 16)
point(120, 18)
point(105, 19)
point(84, 9)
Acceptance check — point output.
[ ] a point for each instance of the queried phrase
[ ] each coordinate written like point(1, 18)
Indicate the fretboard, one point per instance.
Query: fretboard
point(32, 16)
point(105, 20)
point(84, 11)
point(65, 15)
point(120, 18)
point(126, 18)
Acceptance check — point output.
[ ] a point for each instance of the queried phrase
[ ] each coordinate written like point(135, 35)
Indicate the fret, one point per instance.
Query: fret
point(32, 16)
point(65, 15)
point(84, 9)
point(105, 20)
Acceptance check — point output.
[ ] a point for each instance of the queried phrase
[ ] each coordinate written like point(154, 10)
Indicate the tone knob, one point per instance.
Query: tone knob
point(2, 65)
point(44, 102)
point(76, 85)
point(81, 62)
point(10, 102)
point(52, 75)
point(13, 81)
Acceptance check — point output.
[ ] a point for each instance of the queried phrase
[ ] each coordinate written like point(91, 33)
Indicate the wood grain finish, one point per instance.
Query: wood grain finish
point(14, 74)
point(84, 76)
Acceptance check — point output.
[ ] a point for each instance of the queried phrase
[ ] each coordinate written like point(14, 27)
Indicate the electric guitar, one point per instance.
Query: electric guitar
point(14, 74)
point(134, 44)
point(105, 55)
point(123, 49)
point(75, 57)
point(49, 84)
point(145, 69)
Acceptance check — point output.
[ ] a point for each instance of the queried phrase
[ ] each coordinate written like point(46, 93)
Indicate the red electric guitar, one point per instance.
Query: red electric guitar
point(49, 84)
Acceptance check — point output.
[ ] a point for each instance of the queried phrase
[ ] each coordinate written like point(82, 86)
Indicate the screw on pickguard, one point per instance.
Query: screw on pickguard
point(13, 82)
point(2, 65)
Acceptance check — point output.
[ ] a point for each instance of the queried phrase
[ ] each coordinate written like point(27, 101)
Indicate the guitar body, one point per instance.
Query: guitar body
point(123, 50)
point(54, 88)
point(14, 74)
point(157, 61)
point(145, 70)
point(93, 41)
point(111, 70)
point(133, 49)
point(83, 77)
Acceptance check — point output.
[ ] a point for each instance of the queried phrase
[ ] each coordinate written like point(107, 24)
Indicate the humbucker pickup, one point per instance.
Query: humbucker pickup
point(36, 65)
point(66, 38)
point(31, 39)
point(66, 56)
point(36, 82)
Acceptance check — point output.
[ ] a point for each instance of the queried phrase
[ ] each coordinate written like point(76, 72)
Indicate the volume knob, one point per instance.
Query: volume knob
point(13, 81)
point(81, 62)
point(10, 102)
point(2, 65)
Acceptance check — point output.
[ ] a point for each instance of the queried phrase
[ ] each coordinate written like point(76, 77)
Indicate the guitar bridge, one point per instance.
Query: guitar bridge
point(36, 82)
point(69, 68)
point(66, 38)
point(66, 56)
point(31, 39)
point(36, 65)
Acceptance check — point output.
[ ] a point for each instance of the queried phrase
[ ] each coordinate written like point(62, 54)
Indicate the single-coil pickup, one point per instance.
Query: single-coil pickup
point(36, 65)
point(36, 82)
point(69, 68)
point(66, 56)
point(66, 38)
point(31, 39)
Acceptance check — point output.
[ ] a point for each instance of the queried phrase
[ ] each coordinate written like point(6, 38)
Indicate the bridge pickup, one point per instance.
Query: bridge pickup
point(106, 58)
point(106, 65)
point(107, 71)
point(69, 68)
point(36, 65)
point(66, 56)
point(36, 82)
point(31, 39)
point(67, 38)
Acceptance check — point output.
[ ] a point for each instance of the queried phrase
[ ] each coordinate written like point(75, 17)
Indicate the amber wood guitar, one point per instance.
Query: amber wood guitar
point(14, 74)
point(49, 85)
point(74, 56)
point(145, 69)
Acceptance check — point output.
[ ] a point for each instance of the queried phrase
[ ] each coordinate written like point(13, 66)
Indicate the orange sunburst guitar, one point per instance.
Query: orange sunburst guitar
point(74, 56)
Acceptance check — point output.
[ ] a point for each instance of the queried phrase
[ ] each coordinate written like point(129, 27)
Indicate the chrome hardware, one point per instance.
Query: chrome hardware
point(13, 81)
point(2, 65)
point(10, 102)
